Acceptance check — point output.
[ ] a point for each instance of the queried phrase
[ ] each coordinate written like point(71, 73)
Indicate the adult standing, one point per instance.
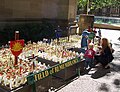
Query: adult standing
point(58, 33)
point(84, 40)
point(91, 36)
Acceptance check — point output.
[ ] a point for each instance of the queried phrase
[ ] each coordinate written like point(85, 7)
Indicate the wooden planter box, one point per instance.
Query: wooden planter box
point(40, 86)
point(42, 81)
point(68, 72)
point(64, 74)
point(81, 64)
point(47, 62)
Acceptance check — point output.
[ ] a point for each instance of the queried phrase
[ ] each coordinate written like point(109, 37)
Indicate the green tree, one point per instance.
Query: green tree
point(97, 4)
point(82, 5)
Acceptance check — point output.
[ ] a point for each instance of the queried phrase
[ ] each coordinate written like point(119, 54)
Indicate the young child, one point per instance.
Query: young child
point(89, 56)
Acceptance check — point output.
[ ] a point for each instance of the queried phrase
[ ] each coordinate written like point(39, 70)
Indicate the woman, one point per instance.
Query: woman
point(105, 56)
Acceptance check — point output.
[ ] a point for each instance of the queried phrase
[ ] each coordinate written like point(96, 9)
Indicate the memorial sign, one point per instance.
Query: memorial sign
point(43, 74)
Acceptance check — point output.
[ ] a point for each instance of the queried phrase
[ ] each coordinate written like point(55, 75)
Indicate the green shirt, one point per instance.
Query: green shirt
point(91, 35)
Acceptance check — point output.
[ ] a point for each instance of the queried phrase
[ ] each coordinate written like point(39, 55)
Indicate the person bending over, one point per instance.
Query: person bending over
point(105, 56)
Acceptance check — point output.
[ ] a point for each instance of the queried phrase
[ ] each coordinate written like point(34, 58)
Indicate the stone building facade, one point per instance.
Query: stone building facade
point(37, 9)
point(35, 19)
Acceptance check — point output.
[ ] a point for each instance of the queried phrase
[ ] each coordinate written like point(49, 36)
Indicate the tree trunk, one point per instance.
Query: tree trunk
point(119, 11)
point(108, 12)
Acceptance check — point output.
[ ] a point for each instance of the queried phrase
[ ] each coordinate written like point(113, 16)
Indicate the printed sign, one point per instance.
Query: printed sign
point(52, 70)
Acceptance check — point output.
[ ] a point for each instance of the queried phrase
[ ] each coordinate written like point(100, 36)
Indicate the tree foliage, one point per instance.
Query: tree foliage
point(97, 4)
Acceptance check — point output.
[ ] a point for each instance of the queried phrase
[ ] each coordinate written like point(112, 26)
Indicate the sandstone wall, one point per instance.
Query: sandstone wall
point(37, 9)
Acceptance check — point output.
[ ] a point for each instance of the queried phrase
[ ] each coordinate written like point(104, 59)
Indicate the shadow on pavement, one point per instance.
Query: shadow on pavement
point(100, 72)
point(58, 83)
point(117, 83)
point(116, 54)
point(85, 72)
point(115, 67)
point(104, 87)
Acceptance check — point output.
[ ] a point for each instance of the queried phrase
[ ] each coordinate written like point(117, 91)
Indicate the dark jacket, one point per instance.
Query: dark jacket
point(106, 57)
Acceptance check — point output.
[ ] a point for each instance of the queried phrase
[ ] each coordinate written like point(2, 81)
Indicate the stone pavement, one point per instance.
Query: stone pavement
point(99, 79)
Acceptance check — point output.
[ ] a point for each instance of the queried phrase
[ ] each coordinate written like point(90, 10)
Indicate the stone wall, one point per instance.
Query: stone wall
point(24, 15)
point(37, 9)
point(72, 9)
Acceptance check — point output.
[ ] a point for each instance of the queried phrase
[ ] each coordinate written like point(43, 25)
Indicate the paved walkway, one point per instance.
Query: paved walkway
point(99, 79)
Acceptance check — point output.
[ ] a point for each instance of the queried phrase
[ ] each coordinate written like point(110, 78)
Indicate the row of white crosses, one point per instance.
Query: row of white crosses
point(48, 51)
point(51, 52)
point(13, 82)
point(15, 76)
